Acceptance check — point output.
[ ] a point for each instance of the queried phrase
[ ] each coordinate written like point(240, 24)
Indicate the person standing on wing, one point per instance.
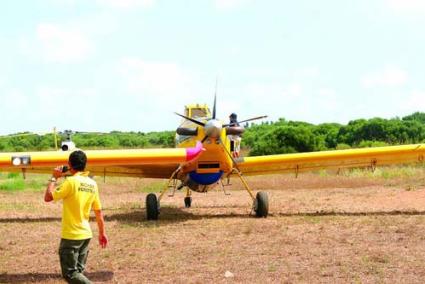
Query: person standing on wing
point(233, 119)
point(79, 194)
point(235, 140)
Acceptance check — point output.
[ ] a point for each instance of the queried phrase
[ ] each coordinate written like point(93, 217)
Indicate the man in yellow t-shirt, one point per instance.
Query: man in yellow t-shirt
point(79, 194)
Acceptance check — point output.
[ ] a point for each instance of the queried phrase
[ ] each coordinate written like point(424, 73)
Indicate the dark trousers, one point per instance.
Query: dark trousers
point(73, 256)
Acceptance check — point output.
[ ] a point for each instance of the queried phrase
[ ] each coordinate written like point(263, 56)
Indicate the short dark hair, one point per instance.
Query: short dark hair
point(78, 160)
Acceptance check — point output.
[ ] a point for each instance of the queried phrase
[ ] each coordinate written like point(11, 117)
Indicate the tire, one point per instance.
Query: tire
point(152, 208)
point(187, 201)
point(261, 205)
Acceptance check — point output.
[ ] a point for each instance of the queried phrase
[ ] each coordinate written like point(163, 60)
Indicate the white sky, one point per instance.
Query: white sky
point(129, 64)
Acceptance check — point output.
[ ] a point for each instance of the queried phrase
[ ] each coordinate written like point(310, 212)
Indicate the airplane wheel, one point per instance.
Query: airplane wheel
point(152, 208)
point(188, 201)
point(261, 204)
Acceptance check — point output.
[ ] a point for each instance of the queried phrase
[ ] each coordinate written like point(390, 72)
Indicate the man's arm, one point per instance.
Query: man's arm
point(103, 239)
point(48, 194)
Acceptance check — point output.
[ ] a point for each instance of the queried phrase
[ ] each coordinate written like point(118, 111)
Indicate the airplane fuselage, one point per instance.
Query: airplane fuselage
point(214, 162)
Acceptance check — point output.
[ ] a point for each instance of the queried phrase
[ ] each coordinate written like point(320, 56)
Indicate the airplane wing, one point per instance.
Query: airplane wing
point(155, 163)
point(312, 161)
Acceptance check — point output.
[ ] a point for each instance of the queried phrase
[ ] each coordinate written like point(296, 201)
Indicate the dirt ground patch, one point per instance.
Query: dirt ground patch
point(321, 229)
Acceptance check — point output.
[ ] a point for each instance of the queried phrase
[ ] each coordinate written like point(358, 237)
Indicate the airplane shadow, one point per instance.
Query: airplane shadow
point(135, 216)
point(167, 215)
point(176, 215)
point(138, 216)
point(98, 276)
point(30, 220)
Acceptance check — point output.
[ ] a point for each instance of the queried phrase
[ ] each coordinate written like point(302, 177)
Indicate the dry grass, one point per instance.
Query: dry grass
point(322, 229)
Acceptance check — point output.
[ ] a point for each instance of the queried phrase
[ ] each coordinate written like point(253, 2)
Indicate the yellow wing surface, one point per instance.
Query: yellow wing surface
point(313, 161)
point(155, 163)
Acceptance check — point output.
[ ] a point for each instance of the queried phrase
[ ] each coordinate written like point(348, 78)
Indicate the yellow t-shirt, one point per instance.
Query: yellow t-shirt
point(79, 194)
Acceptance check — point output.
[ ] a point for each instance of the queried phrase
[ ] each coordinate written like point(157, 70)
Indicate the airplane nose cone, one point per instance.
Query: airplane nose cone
point(213, 128)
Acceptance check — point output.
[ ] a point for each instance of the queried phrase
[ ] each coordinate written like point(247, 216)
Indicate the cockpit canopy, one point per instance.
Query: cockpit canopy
point(197, 111)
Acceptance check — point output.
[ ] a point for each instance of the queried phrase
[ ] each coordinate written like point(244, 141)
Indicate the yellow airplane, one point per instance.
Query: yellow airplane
point(206, 154)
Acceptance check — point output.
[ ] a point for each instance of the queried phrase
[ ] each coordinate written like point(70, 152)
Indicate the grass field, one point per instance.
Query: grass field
point(355, 227)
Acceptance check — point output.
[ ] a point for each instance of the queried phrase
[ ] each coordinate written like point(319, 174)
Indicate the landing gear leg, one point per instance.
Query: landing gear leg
point(223, 186)
point(260, 202)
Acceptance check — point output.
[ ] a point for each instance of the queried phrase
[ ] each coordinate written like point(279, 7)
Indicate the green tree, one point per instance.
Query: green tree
point(417, 116)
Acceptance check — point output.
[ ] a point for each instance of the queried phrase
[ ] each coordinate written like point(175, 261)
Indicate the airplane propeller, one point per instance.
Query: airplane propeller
point(213, 126)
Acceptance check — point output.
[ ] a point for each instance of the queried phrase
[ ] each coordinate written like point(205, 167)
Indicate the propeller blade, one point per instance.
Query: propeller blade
point(191, 119)
point(205, 138)
point(215, 100)
point(234, 130)
point(187, 131)
point(246, 120)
